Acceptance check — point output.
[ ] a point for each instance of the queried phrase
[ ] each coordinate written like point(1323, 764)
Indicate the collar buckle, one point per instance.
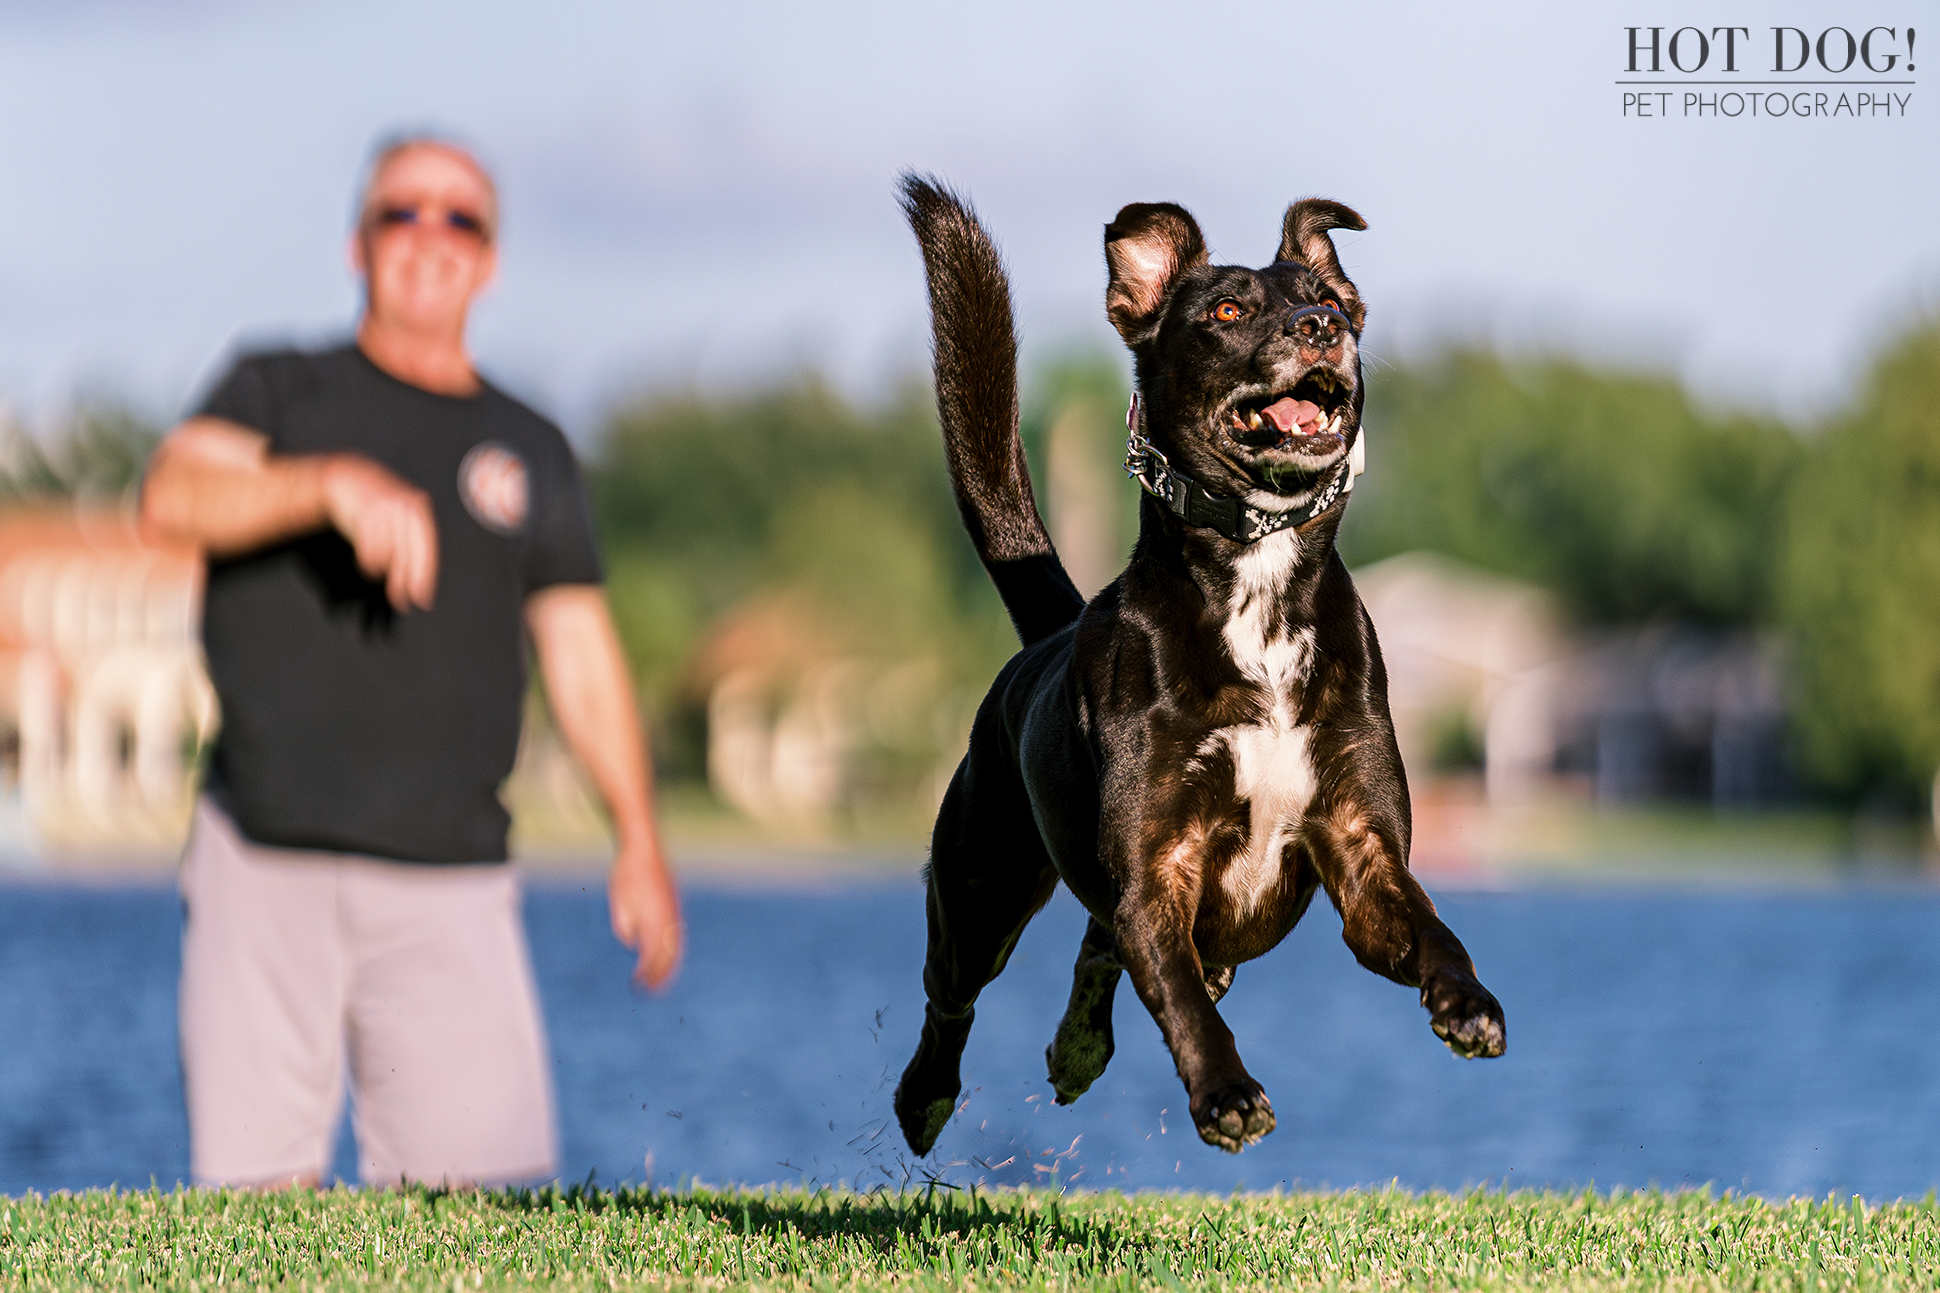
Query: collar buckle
point(1144, 463)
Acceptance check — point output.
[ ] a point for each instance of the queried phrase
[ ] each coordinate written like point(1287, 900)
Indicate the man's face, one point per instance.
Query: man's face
point(425, 243)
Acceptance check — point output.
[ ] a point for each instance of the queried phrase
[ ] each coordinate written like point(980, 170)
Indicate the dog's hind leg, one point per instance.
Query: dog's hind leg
point(989, 874)
point(1078, 1054)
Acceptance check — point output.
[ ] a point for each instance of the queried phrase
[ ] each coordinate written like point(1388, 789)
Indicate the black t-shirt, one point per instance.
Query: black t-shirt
point(350, 727)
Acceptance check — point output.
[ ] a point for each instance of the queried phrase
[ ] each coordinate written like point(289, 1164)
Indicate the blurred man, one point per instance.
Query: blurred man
point(383, 530)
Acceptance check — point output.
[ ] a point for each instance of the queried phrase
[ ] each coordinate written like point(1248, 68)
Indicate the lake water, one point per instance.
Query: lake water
point(1785, 1042)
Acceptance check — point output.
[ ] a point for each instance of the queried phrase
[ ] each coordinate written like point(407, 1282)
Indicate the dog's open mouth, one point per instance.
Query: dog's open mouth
point(1303, 429)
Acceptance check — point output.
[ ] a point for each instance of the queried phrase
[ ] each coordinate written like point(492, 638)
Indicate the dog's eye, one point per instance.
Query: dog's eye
point(1331, 303)
point(1227, 311)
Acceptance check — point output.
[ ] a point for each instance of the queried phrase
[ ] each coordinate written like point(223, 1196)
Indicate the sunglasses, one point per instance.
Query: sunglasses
point(459, 222)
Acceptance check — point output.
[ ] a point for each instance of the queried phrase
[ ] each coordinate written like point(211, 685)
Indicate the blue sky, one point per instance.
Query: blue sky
point(703, 194)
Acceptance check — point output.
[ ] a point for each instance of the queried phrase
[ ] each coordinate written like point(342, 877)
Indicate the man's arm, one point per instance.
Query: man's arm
point(592, 701)
point(216, 485)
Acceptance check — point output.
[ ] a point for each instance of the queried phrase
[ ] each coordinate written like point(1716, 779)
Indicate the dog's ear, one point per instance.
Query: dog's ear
point(1146, 248)
point(1303, 238)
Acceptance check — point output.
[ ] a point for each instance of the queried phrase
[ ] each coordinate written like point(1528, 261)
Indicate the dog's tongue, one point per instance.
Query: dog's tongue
point(1288, 413)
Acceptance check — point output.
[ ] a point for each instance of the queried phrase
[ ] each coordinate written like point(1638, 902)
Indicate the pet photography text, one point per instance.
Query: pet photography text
point(1721, 72)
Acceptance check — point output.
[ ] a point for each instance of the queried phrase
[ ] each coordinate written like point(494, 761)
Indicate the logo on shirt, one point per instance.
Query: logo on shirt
point(492, 481)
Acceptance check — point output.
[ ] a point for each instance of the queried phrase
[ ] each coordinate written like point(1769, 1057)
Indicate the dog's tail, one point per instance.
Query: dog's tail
point(975, 352)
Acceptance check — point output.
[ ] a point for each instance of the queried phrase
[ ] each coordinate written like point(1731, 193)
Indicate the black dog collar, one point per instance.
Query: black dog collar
point(1227, 514)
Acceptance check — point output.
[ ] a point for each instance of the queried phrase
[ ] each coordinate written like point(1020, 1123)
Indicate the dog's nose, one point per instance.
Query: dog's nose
point(1316, 327)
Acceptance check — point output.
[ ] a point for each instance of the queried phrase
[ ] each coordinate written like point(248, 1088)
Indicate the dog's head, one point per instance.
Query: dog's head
point(1245, 385)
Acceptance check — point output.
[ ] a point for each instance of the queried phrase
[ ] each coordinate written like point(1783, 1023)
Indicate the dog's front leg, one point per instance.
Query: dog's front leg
point(1153, 925)
point(1390, 923)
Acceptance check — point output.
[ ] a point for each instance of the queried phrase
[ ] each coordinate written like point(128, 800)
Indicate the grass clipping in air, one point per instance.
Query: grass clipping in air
point(940, 1238)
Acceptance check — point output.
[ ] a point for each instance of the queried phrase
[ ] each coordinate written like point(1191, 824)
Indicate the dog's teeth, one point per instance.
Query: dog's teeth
point(1239, 423)
point(1253, 420)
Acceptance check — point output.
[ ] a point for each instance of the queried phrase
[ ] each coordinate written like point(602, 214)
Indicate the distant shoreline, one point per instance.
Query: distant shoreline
point(755, 867)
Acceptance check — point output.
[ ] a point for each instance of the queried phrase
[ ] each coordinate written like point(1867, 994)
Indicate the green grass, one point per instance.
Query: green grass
point(785, 1238)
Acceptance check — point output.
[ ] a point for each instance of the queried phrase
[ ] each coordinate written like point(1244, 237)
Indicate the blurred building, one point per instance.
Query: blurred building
point(1085, 490)
point(808, 736)
point(1676, 712)
point(104, 702)
point(783, 714)
point(1483, 678)
point(1475, 667)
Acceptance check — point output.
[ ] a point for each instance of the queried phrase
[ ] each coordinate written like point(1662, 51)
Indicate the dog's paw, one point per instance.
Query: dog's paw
point(923, 1123)
point(926, 1097)
point(1076, 1058)
point(923, 1108)
point(1071, 1075)
point(1234, 1116)
point(1466, 1016)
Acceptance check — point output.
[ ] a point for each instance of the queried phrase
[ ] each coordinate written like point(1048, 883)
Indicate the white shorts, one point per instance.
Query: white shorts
point(298, 966)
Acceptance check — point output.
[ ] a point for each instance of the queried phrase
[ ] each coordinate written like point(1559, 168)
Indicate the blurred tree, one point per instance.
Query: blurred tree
point(1861, 564)
point(705, 504)
point(100, 450)
point(1613, 491)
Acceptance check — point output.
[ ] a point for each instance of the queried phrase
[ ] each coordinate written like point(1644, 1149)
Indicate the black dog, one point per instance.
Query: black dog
point(1208, 741)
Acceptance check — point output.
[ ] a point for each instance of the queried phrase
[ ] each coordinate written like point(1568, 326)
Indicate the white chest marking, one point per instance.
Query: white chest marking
point(1272, 769)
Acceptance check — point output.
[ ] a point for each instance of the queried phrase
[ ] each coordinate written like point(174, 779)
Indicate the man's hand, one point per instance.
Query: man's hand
point(646, 917)
point(216, 485)
point(390, 524)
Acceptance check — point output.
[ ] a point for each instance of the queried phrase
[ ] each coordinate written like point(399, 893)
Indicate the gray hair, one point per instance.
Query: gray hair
point(391, 147)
